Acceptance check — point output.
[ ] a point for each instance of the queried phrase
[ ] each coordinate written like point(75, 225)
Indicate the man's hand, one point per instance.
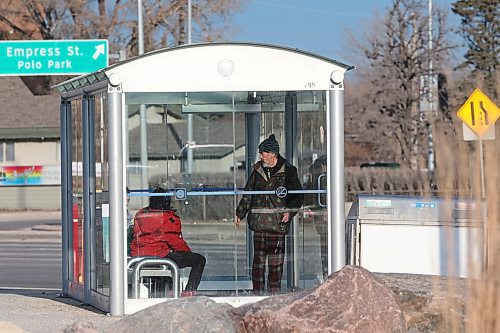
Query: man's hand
point(237, 222)
point(285, 218)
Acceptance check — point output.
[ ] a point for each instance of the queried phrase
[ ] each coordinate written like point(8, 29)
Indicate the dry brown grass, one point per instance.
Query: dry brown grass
point(483, 308)
point(458, 174)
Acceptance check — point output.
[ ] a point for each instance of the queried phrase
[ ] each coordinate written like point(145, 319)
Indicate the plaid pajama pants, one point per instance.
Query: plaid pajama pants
point(268, 246)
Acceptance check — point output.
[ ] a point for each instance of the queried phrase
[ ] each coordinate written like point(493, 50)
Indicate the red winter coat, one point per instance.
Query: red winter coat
point(156, 233)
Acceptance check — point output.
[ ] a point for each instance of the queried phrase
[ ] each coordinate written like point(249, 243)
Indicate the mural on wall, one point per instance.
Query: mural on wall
point(30, 175)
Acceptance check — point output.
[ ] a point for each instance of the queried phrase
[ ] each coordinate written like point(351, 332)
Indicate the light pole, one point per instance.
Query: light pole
point(431, 156)
point(140, 27)
point(142, 108)
point(189, 116)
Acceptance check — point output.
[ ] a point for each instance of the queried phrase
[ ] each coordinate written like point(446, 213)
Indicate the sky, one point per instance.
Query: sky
point(317, 26)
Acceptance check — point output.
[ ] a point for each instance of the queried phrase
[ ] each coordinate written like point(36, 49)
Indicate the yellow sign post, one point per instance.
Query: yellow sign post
point(479, 113)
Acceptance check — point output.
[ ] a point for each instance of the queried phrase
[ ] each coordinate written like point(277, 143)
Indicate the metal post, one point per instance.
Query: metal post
point(86, 198)
point(291, 155)
point(190, 12)
point(66, 202)
point(190, 159)
point(142, 108)
point(252, 126)
point(335, 176)
point(431, 156)
point(190, 142)
point(91, 189)
point(144, 148)
point(156, 261)
point(117, 216)
point(71, 240)
point(481, 166)
point(483, 204)
point(140, 27)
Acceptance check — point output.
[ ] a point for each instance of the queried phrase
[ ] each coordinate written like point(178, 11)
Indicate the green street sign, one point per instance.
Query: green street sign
point(52, 57)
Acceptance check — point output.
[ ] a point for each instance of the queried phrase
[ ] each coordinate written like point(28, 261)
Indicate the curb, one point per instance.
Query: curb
point(41, 232)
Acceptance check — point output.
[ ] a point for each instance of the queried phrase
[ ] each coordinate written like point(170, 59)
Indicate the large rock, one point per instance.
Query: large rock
point(347, 302)
point(186, 315)
point(430, 304)
point(11, 328)
point(81, 327)
point(351, 300)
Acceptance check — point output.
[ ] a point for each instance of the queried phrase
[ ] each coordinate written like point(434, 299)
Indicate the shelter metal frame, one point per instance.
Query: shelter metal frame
point(208, 67)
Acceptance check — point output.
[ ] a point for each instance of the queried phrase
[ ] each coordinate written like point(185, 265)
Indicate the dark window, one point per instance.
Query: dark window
point(9, 152)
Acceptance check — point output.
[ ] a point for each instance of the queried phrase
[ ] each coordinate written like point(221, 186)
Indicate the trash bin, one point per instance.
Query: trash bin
point(419, 235)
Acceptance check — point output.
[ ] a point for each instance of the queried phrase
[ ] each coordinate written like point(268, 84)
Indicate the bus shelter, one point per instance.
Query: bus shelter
point(190, 119)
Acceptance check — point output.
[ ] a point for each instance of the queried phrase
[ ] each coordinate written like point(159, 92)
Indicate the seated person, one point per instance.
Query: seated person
point(157, 233)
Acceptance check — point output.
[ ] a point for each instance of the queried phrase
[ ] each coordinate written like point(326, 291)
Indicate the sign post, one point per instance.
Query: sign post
point(52, 57)
point(479, 113)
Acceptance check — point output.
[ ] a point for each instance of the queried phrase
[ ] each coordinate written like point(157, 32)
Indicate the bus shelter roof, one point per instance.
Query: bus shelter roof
point(210, 67)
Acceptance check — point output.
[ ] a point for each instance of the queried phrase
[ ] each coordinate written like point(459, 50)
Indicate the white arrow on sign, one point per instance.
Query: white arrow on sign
point(99, 49)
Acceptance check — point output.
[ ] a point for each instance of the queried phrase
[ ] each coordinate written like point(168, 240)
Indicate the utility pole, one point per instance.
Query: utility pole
point(140, 27)
point(431, 155)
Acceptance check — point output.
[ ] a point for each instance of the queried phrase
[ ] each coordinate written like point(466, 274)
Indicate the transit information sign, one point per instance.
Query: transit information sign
point(52, 57)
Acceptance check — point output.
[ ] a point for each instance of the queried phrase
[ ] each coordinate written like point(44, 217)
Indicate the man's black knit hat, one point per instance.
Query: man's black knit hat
point(270, 145)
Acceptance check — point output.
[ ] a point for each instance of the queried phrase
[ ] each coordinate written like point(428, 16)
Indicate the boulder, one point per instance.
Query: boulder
point(186, 315)
point(350, 300)
point(430, 304)
point(10, 327)
point(81, 327)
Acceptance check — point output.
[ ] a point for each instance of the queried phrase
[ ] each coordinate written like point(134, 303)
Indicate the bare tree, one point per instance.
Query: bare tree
point(397, 55)
point(61, 19)
point(165, 21)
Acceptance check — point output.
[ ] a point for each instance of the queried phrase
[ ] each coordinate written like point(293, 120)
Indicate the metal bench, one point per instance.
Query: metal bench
point(140, 267)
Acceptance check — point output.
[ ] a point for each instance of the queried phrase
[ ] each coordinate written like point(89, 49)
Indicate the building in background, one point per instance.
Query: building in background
point(30, 175)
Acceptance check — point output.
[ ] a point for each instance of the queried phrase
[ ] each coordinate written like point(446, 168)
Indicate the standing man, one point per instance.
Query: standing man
point(268, 215)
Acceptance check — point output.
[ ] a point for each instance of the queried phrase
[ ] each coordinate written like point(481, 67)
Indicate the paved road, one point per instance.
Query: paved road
point(11, 221)
point(30, 277)
point(30, 264)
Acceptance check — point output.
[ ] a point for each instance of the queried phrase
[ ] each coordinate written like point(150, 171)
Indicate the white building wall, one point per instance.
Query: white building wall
point(35, 153)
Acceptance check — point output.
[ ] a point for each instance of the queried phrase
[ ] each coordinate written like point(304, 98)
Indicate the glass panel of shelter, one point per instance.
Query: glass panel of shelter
point(306, 257)
point(98, 172)
point(100, 225)
point(76, 238)
point(312, 247)
point(210, 127)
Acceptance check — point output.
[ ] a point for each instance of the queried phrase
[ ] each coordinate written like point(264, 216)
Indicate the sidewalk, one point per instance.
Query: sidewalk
point(44, 311)
point(38, 310)
point(29, 215)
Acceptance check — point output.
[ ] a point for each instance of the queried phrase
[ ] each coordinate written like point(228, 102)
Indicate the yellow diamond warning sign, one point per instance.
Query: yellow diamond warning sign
point(479, 112)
